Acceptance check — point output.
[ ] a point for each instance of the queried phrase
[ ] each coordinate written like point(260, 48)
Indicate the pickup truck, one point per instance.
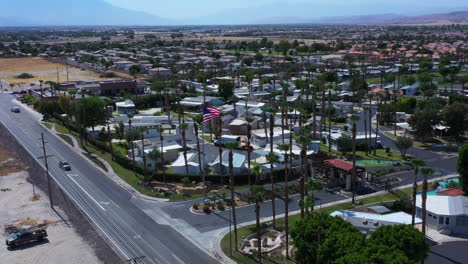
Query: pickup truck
point(26, 236)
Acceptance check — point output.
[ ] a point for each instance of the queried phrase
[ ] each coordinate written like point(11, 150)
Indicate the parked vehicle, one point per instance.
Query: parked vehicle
point(16, 109)
point(65, 165)
point(26, 236)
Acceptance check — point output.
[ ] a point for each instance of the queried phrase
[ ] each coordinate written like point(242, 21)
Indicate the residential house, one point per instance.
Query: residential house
point(238, 163)
point(126, 107)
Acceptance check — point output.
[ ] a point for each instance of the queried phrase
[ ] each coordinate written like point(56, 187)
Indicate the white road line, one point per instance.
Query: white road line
point(87, 193)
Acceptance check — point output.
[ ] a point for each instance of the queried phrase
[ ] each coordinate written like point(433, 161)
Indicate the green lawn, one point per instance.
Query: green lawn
point(415, 143)
point(47, 124)
point(67, 139)
point(380, 154)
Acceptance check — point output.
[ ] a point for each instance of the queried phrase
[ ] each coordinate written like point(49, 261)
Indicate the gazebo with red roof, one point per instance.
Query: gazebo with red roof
point(342, 171)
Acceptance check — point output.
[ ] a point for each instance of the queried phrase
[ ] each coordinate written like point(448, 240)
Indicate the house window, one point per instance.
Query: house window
point(447, 220)
point(441, 220)
point(462, 220)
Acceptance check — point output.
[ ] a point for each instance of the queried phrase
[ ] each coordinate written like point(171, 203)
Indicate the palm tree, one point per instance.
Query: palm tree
point(272, 158)
point(303, 141)
point(155, 154)
point(285, 149)
point(249, 128)
point(306, 204)
point(259, 193)
point(416, 163)
point(183, 127)
point(354, 119)
point(365, 108)
point(313, 186)
point(231, 146)
point(163, 163)
point(426, 172)
point(257, 171)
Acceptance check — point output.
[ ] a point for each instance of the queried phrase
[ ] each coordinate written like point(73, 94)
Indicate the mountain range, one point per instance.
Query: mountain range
point(100, 12)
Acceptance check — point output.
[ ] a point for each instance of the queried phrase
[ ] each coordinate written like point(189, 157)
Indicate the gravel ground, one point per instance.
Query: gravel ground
point(21, 211)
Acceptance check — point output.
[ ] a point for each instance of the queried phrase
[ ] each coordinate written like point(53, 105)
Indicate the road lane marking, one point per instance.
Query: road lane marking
point(87, 193)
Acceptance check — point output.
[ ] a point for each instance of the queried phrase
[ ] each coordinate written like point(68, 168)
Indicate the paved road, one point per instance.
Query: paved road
point(110, 207)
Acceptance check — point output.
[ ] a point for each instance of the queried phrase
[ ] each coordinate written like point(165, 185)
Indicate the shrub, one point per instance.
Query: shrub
point(25, 75)
point(387, 150)
point(220, 206)
point(108, 75)
point(206, 209)
point(195, 206)
point(185, 180)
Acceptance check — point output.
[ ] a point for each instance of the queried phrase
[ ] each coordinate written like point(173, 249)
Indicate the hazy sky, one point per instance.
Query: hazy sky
point(185, 9)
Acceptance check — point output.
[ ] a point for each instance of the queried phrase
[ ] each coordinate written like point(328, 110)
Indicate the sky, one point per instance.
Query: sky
point(189, 9)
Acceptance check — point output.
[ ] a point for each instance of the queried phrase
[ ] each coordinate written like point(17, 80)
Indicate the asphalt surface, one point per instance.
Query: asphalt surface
point(111, 209)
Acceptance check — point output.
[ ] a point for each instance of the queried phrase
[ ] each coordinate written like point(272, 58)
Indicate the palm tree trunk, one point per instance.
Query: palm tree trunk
point(365, 133)
point(259, 232)
point(424, 199)
point(354, 162)
point(248, 154)
point(286, 204)
point(273, 207)
point(302, 180)
point(415, 189)
point(161, 138)
point(184, 143)
point(329, 121)
point(233, 201)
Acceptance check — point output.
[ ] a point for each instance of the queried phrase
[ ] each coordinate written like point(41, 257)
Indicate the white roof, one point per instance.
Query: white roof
point(165, 148)
point(398, 217)
point(238, 122)
point(276, 132)
point(445, 205)
point(126, 103)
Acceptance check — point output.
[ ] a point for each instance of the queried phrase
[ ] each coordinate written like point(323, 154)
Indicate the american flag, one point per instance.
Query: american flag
point(210, 113)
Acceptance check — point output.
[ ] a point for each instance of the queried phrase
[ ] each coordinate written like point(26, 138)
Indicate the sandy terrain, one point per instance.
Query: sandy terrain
point(20, 210)
point(41, 70)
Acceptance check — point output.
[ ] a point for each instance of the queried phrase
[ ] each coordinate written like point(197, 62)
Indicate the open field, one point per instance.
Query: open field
point(41, 69)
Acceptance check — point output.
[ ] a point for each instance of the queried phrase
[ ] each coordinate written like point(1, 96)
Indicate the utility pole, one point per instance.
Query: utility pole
point(45, 156)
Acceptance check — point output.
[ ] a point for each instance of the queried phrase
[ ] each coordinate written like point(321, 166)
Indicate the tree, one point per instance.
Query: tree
point(426, 172)
point(155, 155)
point(354, 119)
point(462, 167)
point(120, 130)
point(272, 158)
point(422, 122)
point(226, 89)
point(183, 128)
point(258, 193)
point(313, 186)
point(257, 171)
point(91, 112)
point(66, 105)
point(416, 163)
point(455, 117)
point(231, 146)
point(344, 144)
point(404, 238)
point(403, 144)
point(375, 254)
point(134, 70)
point(285, 148)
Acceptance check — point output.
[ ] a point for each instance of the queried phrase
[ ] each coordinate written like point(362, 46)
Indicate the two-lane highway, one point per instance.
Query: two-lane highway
point(106, 204)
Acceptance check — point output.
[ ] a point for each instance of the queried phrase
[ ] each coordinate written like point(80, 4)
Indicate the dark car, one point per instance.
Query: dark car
point(26, 236)
point(16, 109)
point(65, 165)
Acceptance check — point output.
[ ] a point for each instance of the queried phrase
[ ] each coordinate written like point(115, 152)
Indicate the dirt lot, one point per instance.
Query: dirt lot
point(41, 70)
point(22, 210)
